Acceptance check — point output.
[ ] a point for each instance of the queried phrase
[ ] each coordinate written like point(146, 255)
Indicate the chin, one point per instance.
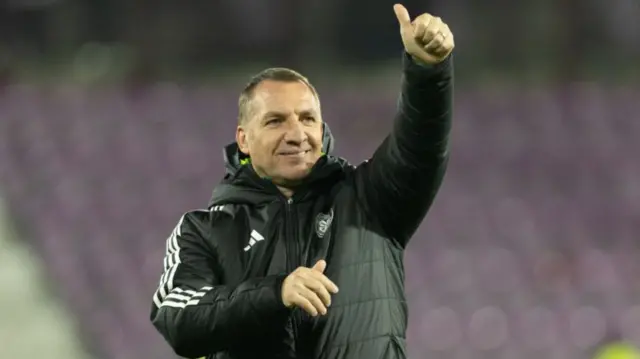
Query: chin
point(294, 175)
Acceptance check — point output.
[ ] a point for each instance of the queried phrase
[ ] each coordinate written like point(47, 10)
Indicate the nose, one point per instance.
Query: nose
point(295, 134)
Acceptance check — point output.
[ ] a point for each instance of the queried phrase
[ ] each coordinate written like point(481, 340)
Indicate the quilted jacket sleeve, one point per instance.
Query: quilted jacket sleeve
point(399, 183)
point(195, 312)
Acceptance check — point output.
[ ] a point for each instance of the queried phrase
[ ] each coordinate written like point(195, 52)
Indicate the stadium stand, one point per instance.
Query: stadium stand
point(530, 251)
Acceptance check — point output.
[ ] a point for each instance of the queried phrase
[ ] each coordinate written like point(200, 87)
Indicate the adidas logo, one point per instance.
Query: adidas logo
point(255, 238)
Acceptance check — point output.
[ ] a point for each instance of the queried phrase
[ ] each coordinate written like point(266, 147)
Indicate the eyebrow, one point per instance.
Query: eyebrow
point(274, 114)
point(283, 114)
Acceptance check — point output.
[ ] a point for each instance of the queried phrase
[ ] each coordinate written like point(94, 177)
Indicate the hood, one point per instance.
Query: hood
point(242, 185)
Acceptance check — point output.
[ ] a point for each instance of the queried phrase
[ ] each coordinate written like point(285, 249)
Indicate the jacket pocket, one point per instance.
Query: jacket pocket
point(396, 348)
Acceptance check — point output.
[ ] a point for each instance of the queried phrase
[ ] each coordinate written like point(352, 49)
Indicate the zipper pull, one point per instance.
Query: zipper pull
point(290, 201)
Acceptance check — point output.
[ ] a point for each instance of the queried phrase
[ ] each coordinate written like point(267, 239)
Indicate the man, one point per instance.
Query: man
point(257, 275)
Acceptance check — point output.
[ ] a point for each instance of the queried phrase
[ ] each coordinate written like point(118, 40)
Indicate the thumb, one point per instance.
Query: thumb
point(320, 266)
point(402, 14)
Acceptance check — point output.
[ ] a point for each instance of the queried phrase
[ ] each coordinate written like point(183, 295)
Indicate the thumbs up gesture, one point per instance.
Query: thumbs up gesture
point(426, 38)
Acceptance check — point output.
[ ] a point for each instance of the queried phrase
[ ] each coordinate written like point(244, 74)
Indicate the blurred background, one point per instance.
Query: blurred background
point(113, 115)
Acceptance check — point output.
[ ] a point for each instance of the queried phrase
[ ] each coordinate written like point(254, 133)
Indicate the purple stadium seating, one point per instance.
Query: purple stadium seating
point(531, 249)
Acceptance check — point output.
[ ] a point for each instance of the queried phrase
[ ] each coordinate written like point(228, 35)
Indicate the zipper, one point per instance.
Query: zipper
point(292, 258)
point(292, 241)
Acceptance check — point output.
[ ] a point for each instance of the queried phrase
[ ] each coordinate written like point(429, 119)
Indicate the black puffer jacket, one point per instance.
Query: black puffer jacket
point(220, 293)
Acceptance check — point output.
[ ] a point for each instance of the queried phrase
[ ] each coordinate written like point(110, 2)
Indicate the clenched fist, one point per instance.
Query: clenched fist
point(426, 38)
point(309, 289)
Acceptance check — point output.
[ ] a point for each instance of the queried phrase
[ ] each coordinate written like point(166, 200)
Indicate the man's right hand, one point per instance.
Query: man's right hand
point(309, 289)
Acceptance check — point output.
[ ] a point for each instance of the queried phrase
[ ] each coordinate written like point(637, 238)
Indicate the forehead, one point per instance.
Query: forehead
point(284, 96)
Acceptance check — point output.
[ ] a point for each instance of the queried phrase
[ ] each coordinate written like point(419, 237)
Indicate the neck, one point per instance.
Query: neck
point(287, 192)
point(287, 188)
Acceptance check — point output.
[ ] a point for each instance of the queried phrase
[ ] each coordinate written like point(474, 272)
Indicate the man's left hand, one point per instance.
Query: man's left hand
point(427, 38)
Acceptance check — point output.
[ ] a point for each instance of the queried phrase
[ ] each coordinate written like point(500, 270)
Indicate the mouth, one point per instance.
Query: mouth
point(294, 153)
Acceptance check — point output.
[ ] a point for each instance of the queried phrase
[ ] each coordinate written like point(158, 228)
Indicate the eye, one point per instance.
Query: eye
point(308, 119)
point(273, 121)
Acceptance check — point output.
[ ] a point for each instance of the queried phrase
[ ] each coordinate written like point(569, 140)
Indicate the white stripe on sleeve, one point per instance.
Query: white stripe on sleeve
point(166, 293)
point(179, 298)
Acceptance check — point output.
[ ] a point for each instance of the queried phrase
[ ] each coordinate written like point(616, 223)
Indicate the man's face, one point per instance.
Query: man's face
point(283, 131)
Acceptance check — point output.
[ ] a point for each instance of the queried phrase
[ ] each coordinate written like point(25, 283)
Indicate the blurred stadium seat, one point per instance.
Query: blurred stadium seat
point(530, 251)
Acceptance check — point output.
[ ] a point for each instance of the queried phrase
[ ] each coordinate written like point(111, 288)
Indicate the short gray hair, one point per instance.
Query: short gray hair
point(280, 74)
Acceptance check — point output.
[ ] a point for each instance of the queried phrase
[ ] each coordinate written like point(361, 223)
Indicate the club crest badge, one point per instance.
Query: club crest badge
point(323, 222)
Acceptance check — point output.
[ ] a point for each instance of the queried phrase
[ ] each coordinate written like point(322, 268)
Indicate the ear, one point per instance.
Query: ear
point(241, 140)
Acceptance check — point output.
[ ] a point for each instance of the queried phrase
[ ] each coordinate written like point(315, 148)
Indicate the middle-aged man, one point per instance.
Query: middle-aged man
point(300, 254)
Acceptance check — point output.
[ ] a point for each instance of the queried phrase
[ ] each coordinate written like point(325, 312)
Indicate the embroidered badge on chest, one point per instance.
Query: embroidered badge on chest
point(323, 222)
